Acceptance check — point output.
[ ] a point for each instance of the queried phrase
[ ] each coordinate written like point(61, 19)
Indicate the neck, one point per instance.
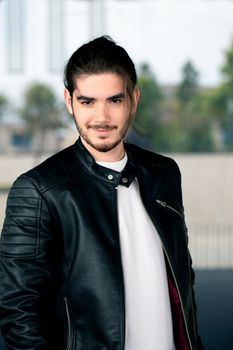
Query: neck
point(114, 155)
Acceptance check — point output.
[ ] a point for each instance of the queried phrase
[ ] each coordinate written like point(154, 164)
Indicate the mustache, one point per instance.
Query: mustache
point(102, 127)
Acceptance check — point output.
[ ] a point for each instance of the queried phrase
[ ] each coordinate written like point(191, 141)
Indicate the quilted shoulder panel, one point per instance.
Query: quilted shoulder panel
point(21, 228)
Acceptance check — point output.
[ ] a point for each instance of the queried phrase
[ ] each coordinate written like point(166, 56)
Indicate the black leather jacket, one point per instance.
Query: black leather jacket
point(60, 259)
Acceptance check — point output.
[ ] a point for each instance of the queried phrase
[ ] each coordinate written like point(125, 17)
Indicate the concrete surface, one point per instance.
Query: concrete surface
point(214, 292)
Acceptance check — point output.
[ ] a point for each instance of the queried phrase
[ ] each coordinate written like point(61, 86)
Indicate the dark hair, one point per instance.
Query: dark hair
point(100, 55)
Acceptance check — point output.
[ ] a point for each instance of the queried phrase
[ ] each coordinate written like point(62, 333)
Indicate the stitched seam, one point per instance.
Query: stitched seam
point(38, 226)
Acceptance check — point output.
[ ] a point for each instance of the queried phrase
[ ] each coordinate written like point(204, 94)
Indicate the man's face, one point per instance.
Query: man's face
point(103, 113)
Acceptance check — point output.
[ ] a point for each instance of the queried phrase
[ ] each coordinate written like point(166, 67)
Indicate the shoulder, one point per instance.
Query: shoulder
point(54, 170)
point(148, 158)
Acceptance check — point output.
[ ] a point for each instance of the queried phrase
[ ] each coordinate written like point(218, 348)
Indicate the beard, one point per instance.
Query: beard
point(108, 145)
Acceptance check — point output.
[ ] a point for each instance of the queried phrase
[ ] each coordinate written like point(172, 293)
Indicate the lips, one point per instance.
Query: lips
point(102, 127)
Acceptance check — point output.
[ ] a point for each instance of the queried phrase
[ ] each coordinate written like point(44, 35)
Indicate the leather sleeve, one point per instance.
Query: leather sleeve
point(25, 267)
point(199, 341)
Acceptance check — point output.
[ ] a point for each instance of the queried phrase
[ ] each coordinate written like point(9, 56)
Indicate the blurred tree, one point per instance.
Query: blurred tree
point(223, 101)
point(4, 106)
point(227, 69)
point(199, 126)
point(148, 122)
point(176, 119)
point(193, 122)
point(41, 113)
point(188, 88)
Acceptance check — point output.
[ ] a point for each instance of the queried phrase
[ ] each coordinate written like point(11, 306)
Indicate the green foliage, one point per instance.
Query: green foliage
point(180, 122)
point(4, 105)
point(41, 110)
point(188, 87)
point(222, 102)
point(41, 113)
point(148, 112)
point(194, 118)
point(227, 68)
point(190, 118)
point(197, 126)
point(4, 188)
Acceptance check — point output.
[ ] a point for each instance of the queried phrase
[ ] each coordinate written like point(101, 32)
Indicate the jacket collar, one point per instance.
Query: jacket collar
point(124, 178)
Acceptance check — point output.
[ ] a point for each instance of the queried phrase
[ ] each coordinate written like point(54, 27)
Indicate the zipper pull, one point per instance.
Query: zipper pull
point(164, 204)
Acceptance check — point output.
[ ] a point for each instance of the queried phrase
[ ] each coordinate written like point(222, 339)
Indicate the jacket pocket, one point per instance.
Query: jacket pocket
point(178, 212)
point(170, 208)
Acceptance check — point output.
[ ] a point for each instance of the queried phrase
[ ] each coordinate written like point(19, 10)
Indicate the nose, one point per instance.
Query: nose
point(102, 112)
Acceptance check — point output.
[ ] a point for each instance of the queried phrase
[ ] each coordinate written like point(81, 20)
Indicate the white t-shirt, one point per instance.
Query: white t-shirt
point(148, 312)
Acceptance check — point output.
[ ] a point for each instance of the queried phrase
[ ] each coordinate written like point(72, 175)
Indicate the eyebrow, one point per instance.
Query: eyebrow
point(86, 98)
point(110, 98)
point(115, 97)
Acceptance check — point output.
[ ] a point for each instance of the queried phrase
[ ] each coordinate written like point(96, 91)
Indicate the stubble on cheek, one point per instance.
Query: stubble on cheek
point(108, 145)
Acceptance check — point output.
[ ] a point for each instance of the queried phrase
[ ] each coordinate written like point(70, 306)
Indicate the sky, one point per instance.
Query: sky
point(163, 33)
point(166, 33)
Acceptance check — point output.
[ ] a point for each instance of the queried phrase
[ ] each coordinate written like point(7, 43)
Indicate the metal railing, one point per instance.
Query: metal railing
point(211, 245)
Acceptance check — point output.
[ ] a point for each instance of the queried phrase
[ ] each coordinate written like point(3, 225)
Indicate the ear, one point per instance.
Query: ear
point(68, 101)
point(136, 95)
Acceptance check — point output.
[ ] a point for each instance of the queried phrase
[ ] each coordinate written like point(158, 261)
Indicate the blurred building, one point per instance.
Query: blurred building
point(35, 39)
point(32, 44)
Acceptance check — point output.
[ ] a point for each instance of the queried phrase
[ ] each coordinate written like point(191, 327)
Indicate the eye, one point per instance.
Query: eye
point(86, 102)
point(116, 100)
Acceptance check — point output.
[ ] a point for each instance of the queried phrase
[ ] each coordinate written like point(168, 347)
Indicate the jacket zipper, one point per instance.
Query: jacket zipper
point(165, 205)
point(68, 343)
point(185, 322)
point(124, 326)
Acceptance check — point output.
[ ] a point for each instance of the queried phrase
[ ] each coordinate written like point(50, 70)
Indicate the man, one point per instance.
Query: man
point(93, 251)
point(2, 345)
